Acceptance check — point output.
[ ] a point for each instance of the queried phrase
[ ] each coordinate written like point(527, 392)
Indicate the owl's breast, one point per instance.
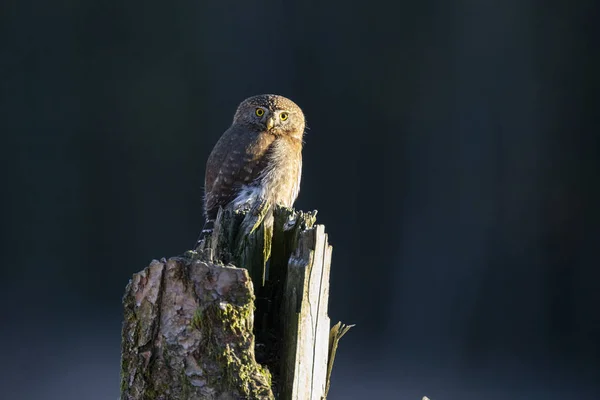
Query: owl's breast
point(282, 178)
point(279, 180)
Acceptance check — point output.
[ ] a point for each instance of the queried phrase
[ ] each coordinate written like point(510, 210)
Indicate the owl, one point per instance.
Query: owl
point(258, 158)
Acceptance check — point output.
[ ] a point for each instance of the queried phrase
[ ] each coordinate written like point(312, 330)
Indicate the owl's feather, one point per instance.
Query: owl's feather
point(237, 160)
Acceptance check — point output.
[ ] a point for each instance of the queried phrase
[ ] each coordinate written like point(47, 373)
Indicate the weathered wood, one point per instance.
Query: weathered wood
point(190, 331)
point(335, 334)
point(306, 332)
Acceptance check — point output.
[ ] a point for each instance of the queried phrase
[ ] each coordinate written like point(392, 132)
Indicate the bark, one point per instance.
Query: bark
point(188, 334)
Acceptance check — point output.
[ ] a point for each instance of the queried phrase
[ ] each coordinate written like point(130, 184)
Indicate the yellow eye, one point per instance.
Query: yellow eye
point(283, 116)
point(260, 112)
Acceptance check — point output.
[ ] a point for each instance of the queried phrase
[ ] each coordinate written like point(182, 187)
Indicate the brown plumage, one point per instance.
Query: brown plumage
point(258, 158)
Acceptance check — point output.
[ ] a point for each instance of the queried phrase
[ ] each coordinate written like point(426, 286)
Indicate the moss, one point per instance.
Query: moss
point(186, 386)
point(228, 340)
point(196, 321)
point(124, 371)
point(266, 373)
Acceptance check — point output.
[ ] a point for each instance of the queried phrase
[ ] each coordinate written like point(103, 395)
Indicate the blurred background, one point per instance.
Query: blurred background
point(453, 155)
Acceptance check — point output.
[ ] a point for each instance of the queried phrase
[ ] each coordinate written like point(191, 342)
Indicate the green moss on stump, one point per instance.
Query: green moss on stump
point(228, 340)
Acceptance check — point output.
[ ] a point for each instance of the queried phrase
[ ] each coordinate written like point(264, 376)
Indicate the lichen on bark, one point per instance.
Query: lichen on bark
point(223, 321)
point(188, 334)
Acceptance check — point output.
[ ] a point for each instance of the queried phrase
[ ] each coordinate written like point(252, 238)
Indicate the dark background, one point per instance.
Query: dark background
point(452, 155)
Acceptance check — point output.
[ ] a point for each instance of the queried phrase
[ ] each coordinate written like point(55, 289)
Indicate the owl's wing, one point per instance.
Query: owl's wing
point(237, 159)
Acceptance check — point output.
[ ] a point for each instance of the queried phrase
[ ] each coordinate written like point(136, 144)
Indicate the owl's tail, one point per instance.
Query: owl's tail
point(206, 230)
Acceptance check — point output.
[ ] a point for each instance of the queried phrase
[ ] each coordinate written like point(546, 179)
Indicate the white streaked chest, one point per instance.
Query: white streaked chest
point(279, 182)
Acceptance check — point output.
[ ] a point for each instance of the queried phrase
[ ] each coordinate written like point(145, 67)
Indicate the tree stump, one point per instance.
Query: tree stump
point(198, 327)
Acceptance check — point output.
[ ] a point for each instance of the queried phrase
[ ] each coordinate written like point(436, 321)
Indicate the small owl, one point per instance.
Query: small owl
point(258, 158)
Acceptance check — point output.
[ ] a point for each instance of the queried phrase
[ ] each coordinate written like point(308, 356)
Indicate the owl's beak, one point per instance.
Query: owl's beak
point(270, 123)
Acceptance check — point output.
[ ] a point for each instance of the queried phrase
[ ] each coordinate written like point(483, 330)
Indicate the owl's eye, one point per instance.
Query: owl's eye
point(260, 112)
point(283, 116)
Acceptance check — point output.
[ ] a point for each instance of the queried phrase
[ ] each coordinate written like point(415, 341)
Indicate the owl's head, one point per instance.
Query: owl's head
point(275, 114)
